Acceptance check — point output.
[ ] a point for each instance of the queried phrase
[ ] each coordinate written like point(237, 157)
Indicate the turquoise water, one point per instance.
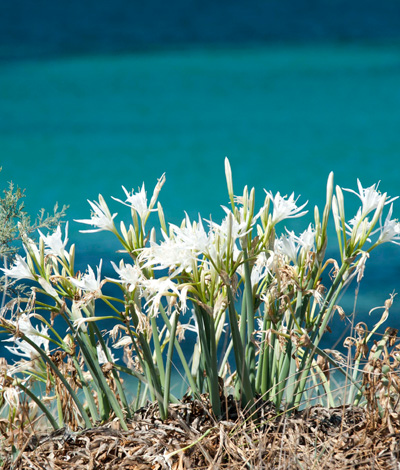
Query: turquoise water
point(73, 127)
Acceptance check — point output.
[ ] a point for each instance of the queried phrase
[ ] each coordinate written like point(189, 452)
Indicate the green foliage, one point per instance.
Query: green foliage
point(15, 223)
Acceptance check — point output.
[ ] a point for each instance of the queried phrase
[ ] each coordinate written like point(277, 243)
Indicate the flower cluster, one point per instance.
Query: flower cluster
point(205, 266)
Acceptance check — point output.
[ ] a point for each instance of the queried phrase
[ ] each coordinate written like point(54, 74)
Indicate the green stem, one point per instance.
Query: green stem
point(250, 346)
point(238, 348)
point(306, 362)
point(55, 369)
point(178, 348)
point(157, 348)
point(85, 345)
point(208, 347)
point(264, 371)
point(146, 358)
point(106, 396)
point(116, 377)
point(291, 371)
point(87, 392)
point(167, 385)
point(40, 404)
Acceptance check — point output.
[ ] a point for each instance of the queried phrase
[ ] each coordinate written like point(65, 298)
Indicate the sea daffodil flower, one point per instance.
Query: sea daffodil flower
point(170, 254)
point(285, 208)
point(390, 230)
point(101, 217)
point(54, 243)
point(128, 274)
point(138, 201)
point(370, 198)
point(20, 270)
point(23, 348)
point(89, 282)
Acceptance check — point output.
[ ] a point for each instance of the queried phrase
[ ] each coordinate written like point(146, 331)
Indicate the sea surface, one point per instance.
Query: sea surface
point(76, 122)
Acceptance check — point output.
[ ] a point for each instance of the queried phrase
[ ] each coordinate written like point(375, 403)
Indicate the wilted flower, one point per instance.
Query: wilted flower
point(11, 397)
point(361, 266)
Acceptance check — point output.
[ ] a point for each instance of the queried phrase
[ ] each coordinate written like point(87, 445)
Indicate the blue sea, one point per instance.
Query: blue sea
point(123, 98)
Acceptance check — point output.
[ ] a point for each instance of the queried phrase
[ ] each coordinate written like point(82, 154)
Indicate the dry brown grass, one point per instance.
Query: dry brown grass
point(315, 438)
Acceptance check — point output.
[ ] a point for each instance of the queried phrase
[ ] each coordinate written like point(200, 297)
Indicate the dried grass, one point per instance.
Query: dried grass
point(315, 438)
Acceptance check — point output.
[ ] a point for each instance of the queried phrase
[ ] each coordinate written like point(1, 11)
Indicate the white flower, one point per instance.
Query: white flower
point(307, 239)
point(101, 217)
point(390, 230)
point(129, 275)
point(169, 254)
point(155, 289)
point(240, 227)
point(54, 243)
point(20, 269)
point(192, 236)
point(287, 245)
point(224, 236)
point(101, 355)
point(138, 201)
point(262, 267)
point(24, 325)
point(39, 337)
point(370, 198)
point(89, 282)
point(76, 316)
point(285, 208)
point(181, 251)
point(48, 288)
point(357, 228)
